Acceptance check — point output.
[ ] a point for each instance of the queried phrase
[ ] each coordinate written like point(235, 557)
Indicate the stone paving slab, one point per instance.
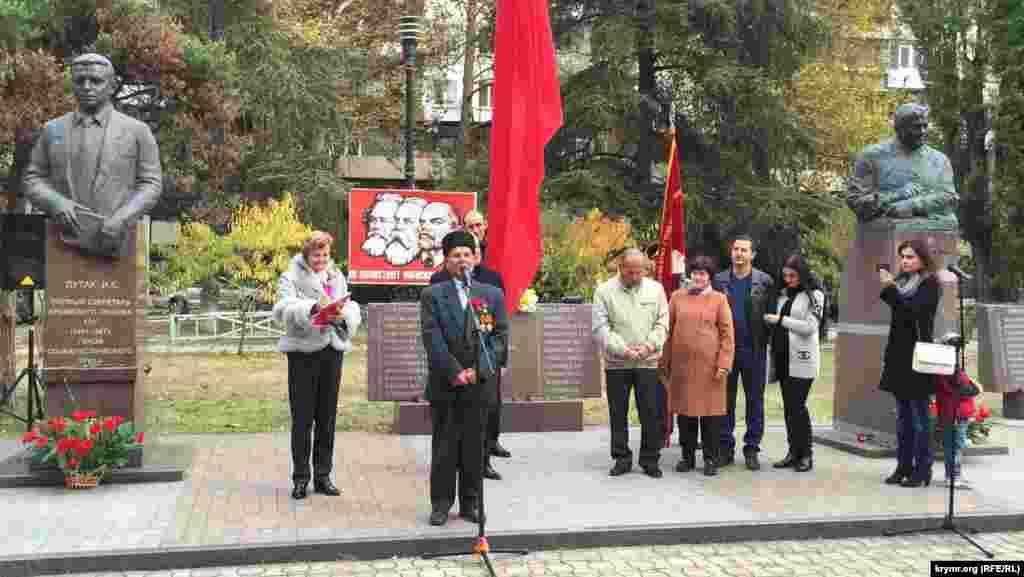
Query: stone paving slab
point(237, 495)
point(881, 556)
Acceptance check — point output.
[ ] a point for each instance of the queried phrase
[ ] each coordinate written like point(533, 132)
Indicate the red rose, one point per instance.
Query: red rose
point(109, 425)
point(28, 437)
point(63, 446)
point(73, 463)
point(58, 425)
point(984, 412)
point(140, 437)
point(91, 414)
point(118, 420)
point(42, 441)
point(95, 429)
point(78, 416)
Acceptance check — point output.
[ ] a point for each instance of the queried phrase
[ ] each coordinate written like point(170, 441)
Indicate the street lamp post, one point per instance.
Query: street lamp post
point(409, 31)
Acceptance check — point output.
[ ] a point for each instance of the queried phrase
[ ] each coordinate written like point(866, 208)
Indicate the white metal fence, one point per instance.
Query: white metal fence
point(213, 326)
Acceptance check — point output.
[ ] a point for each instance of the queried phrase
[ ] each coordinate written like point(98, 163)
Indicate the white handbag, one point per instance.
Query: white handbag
point(934, 359)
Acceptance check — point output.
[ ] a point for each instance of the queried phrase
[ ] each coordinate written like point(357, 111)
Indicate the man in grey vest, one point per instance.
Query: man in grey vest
point(95, 170)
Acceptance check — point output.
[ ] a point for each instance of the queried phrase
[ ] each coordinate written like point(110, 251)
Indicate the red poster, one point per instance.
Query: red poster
point(394, 235)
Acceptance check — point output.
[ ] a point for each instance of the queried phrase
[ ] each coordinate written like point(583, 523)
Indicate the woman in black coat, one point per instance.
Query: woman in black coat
point(913, 296)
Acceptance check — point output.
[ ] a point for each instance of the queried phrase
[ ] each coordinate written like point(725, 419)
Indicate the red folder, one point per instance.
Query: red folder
point(323, 318)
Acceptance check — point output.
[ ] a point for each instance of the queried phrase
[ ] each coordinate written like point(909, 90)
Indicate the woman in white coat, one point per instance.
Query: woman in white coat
point(795, 356)
point(315, 353)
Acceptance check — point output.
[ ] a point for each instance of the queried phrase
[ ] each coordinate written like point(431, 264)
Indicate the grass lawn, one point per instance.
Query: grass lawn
point(211, 393)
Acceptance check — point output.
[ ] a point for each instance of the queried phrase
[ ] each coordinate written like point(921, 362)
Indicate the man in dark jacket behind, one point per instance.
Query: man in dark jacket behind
point(751, 294)
point(485, 275)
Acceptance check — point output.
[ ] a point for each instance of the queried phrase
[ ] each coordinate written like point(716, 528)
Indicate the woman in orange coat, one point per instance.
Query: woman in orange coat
point(695, 363)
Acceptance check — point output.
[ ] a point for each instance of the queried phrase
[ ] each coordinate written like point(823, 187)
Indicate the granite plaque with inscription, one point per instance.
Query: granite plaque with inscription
point(1001, 347)
point(89, 330)
point(396, 363)
point(572, 367)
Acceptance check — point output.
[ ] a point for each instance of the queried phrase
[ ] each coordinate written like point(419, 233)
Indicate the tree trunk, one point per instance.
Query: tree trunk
point(646, 88)
point(468, 72)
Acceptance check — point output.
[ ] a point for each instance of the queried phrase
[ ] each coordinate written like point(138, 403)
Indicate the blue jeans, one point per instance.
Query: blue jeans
point(954, 437)
point(751, 367)
point(913, 442)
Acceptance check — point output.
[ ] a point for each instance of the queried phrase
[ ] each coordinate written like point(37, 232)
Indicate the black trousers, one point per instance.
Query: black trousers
point(798, 418)
point(313, 380)
point(644, 383)
point(456, 453)
point(709, 428)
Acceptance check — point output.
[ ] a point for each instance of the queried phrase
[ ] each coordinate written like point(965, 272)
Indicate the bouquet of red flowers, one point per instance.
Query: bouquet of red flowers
point(83, 444)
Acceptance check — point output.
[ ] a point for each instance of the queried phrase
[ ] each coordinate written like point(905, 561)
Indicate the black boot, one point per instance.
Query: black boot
point(804, 463)
point(688, 462)
point(787, 462)
point(897, 476)
point(710, 467)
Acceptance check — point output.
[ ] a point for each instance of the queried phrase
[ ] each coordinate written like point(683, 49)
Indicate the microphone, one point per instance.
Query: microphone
point(958, 272)
point(467, 276)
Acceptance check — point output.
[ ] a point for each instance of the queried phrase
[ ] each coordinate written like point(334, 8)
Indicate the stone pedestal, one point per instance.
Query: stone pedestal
point(516, 417)
point(89, 331)
point(524, 377)
point(8, 353)
point(863, 331)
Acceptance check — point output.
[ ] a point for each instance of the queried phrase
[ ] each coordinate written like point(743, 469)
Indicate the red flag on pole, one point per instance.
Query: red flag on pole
point(671, 263)
point(527, 113)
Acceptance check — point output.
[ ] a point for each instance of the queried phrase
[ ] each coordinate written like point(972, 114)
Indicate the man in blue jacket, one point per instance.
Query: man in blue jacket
point(751, 294)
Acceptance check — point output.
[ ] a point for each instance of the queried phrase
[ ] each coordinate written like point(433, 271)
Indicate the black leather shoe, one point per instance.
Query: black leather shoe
point(300, 491)
point(653, 471)
point(469, 515)
point(751, 460)
point(710, 467)
point(498, 451)
point(438, 518)
point(490, 473)
point(917, 481)
point(687, 463)
point(804, 464)
point(897, 477)
point(726, 459)
point(326, 487)
point(789, 461)
point(621, 468)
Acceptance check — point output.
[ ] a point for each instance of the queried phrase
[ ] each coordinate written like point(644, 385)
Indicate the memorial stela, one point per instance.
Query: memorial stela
point(571, 364)
point(89, 335)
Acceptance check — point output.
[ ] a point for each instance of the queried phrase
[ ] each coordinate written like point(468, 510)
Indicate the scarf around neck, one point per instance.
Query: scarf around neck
point(907, 284)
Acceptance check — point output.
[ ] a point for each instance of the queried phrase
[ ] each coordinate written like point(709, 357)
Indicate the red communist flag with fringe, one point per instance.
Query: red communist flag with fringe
point(671, 262)
point(527, 113)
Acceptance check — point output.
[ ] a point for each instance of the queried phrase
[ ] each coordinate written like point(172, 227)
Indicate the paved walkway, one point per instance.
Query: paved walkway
point(882, 557)
point(238, 494)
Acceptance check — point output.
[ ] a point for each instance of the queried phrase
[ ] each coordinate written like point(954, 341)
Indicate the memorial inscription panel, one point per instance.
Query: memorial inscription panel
point(89, 333)
point(571, 363)
point(396, 360)
point(1013, 345)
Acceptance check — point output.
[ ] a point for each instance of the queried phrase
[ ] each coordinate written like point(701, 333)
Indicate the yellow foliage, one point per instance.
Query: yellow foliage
point(591, 239)
point(265, 237)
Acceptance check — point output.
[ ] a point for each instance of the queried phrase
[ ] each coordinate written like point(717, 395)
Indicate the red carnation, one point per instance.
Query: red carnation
point(109, 425)
point(476, 302)
point(58, 425)
point(28, 437)
point(73, 463)
point(42, 441)
point(78, 416)
point(933, 409)
point(118, 420)
point(83, 447)
point(984, 412)
point(63, 446)
point(95, 429)
point(90, 414)
point(140, 436)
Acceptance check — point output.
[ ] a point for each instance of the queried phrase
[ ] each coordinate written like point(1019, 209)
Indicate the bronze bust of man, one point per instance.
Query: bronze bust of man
point(904, 181)
point(96, 170)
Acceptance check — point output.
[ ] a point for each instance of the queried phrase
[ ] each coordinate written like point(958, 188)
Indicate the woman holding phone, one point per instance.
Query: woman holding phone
point(315, 344)
point(913, 296)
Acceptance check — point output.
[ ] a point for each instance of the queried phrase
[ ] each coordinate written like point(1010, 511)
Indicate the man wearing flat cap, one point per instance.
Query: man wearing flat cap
point(95, 171)
point(465, 335)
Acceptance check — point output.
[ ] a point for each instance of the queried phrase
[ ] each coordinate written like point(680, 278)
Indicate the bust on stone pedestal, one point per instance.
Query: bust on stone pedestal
point(903, 181)
point(95, 171)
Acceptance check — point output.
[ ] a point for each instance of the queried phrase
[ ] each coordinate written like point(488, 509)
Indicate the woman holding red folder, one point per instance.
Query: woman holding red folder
point(313, 303)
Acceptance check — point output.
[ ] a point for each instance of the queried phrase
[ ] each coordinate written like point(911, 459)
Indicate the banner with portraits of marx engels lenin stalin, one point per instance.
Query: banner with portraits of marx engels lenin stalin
point(394, 235)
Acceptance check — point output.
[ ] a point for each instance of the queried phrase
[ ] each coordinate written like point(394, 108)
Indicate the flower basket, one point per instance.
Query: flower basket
point(84, 446)
point(77, 480)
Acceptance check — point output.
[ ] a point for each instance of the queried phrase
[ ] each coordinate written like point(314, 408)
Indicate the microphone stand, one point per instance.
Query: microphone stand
point(948, 523)
point(482, 547)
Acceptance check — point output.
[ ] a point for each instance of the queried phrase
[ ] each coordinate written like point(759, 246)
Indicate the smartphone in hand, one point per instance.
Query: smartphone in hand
point(885, 266)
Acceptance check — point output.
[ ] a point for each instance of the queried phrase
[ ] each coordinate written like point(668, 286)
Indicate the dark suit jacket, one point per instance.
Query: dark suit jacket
point(452, 345)
point(480, 274)
point(127, 184)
